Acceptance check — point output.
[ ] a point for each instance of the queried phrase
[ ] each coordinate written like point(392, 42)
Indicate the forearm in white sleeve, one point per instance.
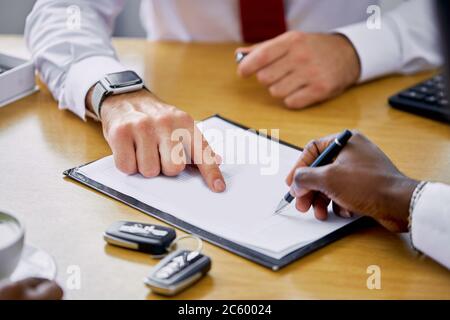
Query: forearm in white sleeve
point(430, 223)
point(70, 59)
point(407, 42)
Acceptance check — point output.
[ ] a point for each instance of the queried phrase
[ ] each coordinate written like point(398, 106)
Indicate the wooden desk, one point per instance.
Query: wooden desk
point(38, 142)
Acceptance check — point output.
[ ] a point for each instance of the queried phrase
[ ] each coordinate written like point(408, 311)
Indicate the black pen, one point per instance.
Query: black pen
point(323, 159)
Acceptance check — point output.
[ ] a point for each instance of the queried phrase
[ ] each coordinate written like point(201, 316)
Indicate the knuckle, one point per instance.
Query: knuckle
point(164, 119)
point(143, 124)
point(150, 172)
point(120, 131)
point(126, 166)
point(323, 87)
point(174, 169)
point(263, 77)
point(276, 91)
point(184, 117)
point(298, 175)
point(262, 57)
point(301, 56)
point(291, 103)
point(360, 138)
point(357, 134)
point(313, 147)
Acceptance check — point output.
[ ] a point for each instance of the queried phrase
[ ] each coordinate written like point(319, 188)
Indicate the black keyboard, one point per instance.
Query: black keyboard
point(428, 99)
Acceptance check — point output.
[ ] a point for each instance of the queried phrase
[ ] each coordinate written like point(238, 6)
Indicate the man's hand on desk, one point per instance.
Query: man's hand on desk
point(362, 179)
point(139, 129)
point(31, 289)
point(301, 68)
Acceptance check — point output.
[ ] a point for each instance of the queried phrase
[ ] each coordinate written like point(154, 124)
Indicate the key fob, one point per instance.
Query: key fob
point(178, 271)
point(148, 238)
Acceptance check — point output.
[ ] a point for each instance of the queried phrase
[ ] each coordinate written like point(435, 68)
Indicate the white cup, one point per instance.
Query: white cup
point(12, 234)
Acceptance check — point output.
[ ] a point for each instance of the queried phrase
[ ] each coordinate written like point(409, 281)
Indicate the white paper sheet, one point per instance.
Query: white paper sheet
point(243, 213)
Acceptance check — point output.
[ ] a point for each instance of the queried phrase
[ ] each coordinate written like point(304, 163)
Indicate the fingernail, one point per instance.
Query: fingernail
point(346, 213)
point(219, 185)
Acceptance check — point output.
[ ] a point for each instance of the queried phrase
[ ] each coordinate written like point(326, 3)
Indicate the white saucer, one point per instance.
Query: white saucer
point(35, 263)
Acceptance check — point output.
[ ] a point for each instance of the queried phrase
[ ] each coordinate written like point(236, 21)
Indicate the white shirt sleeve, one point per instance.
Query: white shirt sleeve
point(430, 223)
point(72, 52)
point(406, 42)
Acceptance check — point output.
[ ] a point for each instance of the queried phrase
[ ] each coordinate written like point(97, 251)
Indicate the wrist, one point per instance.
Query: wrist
point(351, 58)
point(112, 102)
point(129, 100)
point(401, 192)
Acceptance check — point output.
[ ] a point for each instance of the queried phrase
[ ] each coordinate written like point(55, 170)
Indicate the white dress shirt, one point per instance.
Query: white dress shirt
point(70, 61)
point(430, 223)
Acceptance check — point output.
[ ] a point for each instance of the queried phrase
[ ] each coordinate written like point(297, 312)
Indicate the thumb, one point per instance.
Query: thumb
point(311, 179)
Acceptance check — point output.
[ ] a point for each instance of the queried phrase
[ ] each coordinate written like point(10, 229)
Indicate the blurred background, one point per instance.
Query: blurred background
point(14, 12)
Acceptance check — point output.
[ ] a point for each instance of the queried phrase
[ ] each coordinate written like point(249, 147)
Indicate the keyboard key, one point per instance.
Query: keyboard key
point(412, 95)
point(424, 89)
point(440, 86)
point(441, 94)
point(431, 99)
point(443, 103)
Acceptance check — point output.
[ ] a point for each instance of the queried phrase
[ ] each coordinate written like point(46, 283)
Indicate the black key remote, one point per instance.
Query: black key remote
point(148, 238)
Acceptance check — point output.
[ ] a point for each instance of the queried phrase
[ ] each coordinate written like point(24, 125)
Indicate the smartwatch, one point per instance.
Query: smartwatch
point(114, 83)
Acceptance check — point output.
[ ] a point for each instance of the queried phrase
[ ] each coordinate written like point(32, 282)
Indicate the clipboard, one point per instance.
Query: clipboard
point(243, 251)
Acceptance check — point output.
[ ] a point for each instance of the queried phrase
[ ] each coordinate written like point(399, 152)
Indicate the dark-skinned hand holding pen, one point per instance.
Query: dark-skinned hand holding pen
point(361, 180)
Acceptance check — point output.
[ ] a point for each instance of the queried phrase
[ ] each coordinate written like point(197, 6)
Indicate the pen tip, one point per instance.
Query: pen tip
point(280, 207)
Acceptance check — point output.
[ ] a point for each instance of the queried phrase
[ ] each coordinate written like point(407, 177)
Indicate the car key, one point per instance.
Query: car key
point(148, 238)
point(178, 271)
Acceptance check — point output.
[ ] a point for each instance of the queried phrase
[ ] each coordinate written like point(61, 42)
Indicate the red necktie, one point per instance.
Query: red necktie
point(262, 19)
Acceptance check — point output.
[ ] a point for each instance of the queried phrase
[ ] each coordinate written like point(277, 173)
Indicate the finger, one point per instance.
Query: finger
point(17, 290)
point(346, 214)
point(336, 209)
point(304, 98)
point(47, 290)
point(122, 146)
point(287, 85)
point(320, 205)
point(147, 155)
point(341, 212)
point(247, 49)
point(30, 282)
point(311, 151)
point(305, 202)
point(264, 54)
point(275, 72)
point(202, 155)
point(311, 179)
point(173, 158)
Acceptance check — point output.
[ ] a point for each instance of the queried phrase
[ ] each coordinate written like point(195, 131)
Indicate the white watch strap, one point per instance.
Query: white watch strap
point(98, 94)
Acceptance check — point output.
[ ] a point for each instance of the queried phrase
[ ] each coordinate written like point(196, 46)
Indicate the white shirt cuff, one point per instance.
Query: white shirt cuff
point(430, 223)
point(367, 43)
point(81, 76)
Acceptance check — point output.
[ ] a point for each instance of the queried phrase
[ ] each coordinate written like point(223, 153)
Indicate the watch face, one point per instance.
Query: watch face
point(123, 79)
